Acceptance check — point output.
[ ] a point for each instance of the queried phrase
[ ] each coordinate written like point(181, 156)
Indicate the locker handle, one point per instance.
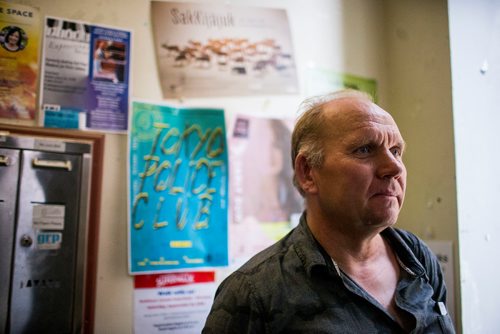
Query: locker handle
point(52, 164)
point(4, 160)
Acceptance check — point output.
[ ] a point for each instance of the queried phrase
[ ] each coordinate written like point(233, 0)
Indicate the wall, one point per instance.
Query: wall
point(404, 45)
point(341, 35)
point(475, 55)
point(419, 96)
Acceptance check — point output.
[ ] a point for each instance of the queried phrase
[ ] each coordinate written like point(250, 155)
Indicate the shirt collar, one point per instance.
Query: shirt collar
point(308, 249)
point(406, 257)
point(313, 256)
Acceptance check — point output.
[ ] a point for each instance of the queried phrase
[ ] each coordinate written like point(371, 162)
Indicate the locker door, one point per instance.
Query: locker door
point(9, 173)
point(45, 249)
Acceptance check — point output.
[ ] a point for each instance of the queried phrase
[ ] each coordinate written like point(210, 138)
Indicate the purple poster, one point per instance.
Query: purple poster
point(107, 86)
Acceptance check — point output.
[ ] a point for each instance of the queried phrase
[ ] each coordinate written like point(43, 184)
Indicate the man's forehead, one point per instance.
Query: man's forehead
point(350, 111)
point(350, 118)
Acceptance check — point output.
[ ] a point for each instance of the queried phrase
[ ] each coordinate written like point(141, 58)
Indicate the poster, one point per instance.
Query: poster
point(178, 188)
point(173, 303)
point(323, 81)
point(222, 50)
point(85, 76)
point(264, 203)
point(19, 46)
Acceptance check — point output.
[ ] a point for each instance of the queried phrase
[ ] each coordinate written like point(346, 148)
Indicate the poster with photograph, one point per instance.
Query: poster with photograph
point(264, 203)
point(222, 50)
point(19, 46)
point(323, 81)
point(173, 302)
point(178, 188)
point(84, 76)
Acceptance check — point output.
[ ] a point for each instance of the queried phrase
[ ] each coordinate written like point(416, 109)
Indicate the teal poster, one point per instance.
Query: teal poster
point(178, 188)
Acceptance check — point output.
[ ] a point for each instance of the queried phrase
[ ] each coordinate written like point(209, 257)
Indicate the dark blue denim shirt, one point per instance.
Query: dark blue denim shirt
point(294, 287)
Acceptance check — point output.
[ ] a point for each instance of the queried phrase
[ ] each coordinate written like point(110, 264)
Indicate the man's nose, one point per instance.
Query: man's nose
point(389, 166)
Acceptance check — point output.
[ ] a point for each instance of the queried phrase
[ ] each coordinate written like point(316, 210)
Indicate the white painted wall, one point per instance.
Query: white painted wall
point(475, 45)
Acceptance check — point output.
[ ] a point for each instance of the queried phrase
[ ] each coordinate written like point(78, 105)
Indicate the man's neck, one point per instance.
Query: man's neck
point(345, 244)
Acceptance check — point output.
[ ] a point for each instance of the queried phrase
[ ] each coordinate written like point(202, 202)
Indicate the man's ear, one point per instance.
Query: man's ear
point(303, 174)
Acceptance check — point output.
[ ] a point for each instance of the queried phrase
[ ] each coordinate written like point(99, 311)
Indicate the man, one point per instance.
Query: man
point(344, 269)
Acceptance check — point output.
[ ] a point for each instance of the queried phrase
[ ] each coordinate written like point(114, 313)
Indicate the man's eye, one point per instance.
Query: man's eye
point(396, 151)
point(363, 150)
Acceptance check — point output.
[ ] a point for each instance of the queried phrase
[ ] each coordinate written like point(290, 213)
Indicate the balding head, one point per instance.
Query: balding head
point(315, 123)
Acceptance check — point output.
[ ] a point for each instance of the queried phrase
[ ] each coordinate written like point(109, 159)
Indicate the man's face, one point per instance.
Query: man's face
point(362, 180)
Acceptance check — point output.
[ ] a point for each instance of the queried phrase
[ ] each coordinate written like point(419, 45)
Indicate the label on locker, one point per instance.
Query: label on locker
point(49, 145)
point(48, 217)
point(48, 240)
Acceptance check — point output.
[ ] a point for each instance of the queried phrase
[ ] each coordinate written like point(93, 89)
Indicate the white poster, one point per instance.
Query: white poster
point(173, 303)
point(85, 76)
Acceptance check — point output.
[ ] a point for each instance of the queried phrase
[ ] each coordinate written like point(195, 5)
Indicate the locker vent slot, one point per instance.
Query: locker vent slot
point(40, 283)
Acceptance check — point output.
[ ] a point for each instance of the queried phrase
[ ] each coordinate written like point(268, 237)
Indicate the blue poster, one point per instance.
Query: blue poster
point(107, 86)
point(178, 188)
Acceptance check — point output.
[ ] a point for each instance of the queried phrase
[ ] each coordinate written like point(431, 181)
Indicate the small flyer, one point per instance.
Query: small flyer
point(322, 81)
point(85, 76)
point(19, 46)
point(173, 302)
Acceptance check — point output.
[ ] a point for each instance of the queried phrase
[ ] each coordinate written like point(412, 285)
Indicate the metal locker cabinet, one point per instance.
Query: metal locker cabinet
point(44, 194)
point(43, 276)
point(9, 173)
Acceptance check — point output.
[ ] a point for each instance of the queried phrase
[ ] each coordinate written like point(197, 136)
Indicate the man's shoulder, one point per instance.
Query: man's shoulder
point(270, 257)
point(264, 275)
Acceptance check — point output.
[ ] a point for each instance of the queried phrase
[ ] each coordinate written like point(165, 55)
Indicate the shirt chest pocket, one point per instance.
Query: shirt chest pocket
point(440, 324)
point(446, 324)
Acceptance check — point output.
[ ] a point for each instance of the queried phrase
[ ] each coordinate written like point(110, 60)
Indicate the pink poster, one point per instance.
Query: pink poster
point(264, 204)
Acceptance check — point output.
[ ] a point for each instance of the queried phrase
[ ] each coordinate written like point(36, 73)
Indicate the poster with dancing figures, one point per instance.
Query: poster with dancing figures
point(222, 50)
point(178, 188)
point(264, 204)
